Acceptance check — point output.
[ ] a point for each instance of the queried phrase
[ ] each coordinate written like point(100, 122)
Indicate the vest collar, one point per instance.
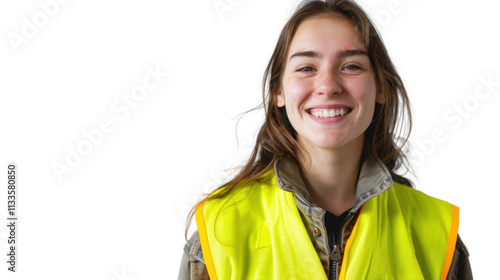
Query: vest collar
point(374, 180)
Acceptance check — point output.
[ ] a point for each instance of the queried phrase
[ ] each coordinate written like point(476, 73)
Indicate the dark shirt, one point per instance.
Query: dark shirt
point(334, 226)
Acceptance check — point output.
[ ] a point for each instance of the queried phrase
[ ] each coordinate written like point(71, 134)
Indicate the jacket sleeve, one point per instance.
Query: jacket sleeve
point(193, 264)
point(460, 268)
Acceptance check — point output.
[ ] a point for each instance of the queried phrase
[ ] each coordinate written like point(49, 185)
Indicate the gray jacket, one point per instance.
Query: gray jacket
point(375, 180)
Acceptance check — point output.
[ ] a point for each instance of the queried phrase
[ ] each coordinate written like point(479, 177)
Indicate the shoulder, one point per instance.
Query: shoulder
point(413, 195)
point(246, 193)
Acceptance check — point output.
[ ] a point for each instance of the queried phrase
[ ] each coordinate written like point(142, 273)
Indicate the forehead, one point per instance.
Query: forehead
point(326, 32)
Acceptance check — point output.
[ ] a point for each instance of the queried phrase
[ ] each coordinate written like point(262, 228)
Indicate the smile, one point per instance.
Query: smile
point(329, 113)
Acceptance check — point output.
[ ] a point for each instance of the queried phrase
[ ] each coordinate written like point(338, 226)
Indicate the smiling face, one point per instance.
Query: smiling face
point(328, 84)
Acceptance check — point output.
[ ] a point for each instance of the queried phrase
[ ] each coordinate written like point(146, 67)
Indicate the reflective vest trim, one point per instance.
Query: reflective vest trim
point(202, 231)
point(452, 241)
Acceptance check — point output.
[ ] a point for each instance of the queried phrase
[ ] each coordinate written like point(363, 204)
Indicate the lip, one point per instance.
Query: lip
point(328, 106)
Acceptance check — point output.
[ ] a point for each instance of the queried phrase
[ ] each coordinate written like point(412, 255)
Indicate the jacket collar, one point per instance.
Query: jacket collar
point(374, 180)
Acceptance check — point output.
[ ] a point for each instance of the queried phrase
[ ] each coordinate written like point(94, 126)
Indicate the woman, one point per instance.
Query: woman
point(319, 197)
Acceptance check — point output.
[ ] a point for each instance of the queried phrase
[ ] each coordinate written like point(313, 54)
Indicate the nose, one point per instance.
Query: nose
point(329, 84)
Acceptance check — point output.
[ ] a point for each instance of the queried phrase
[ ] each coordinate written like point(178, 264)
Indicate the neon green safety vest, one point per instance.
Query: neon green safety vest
point(257, 233)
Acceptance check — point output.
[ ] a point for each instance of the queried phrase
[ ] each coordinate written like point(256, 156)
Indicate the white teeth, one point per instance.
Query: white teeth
point(329, 113)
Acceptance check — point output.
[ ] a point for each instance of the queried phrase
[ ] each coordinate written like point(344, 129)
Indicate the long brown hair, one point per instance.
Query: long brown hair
point(277, 139)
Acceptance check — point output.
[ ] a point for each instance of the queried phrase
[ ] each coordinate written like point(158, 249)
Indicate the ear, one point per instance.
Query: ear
point(280, 99)
point(380, 97)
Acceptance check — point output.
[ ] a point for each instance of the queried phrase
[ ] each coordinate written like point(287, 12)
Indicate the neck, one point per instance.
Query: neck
point(331, 176)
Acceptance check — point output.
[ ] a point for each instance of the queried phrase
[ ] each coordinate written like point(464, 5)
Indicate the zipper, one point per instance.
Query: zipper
point(335, 254)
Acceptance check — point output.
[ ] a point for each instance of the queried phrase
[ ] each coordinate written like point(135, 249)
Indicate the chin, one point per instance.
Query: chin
point(326, 142)
point(334, 141)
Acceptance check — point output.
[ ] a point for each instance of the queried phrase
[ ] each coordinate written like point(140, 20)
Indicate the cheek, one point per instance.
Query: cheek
point(363, 90)
point(296, 92)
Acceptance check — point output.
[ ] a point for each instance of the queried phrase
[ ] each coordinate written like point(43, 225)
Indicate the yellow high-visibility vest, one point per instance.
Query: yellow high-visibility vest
point(256, 232)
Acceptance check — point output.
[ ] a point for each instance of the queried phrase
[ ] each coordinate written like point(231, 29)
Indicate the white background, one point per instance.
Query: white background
point(120, 212)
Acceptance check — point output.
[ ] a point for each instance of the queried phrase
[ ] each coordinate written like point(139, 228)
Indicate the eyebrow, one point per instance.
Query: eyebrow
point(340, 54)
